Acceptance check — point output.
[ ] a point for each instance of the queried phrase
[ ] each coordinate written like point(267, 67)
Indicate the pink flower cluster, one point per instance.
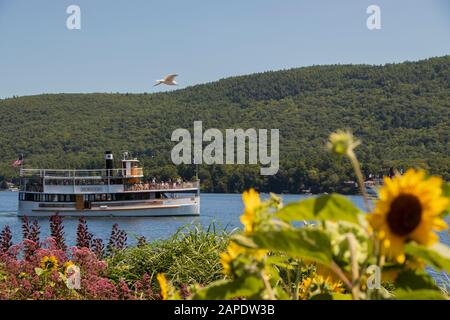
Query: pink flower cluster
point(22, 277)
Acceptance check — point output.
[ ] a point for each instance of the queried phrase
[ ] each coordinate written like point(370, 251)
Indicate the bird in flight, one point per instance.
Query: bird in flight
point(168, 80)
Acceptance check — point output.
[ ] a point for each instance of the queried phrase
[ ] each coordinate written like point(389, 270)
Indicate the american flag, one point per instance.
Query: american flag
point(18, 162)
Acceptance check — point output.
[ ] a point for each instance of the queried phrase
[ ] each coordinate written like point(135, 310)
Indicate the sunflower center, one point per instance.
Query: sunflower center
point(404, 215)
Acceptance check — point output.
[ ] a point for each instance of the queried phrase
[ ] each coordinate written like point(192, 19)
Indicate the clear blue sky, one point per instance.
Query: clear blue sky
point(123, 46)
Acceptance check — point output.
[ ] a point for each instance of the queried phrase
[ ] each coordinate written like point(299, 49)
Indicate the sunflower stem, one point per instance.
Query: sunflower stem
point(338, 271)
point(359, 176)
point(268, 286)
point(297, 279)
point(354, 263)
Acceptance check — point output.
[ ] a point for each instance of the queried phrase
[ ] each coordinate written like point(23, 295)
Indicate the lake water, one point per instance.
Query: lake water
point(222, 210)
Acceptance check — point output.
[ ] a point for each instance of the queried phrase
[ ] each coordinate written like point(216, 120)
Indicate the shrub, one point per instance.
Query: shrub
point(189, 256)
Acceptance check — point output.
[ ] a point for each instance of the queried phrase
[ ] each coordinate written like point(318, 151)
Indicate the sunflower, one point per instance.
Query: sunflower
point(334, 286)
point(49, 263)
point(163, 285)
point(233, 251)
point(409, 208)
point(316, 284)
point(251, 202)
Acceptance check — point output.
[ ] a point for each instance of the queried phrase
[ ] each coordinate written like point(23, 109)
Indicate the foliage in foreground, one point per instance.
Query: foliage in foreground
point(378, 254)
point(190, 256)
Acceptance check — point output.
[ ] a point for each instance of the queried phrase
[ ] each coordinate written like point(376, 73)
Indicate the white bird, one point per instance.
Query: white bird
point(168, 80)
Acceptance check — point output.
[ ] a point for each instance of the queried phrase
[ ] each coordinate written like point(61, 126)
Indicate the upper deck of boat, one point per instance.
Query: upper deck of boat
point(107, 180)
point(81, 174)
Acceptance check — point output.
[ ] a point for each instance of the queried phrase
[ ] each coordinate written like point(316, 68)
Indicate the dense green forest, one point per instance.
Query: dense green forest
point(399, 111)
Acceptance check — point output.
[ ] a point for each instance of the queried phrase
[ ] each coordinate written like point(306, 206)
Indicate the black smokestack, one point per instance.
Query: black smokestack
point(109, 159)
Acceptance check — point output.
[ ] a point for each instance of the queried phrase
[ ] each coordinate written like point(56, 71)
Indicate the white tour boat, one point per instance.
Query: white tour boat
point(104, 192)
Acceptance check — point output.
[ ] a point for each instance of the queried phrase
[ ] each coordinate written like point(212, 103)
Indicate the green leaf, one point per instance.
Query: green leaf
point(244, 241)
point(322, 296)
point(248, 286)
point(281, 261)
point(38, 271)
point(415, 280)
point(332, 207)
point(341, 296)
point(437, 256)
point(419, 295)
point(281, 294)
point(305, 243)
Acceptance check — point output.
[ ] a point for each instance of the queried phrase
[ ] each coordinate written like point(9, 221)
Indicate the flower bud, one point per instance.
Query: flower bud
point(342, 143)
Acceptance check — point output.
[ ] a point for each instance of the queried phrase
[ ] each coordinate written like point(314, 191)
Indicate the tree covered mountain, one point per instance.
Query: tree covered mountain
point(399, 111)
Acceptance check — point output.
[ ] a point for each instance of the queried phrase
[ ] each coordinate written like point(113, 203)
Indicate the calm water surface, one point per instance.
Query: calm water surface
point(221, 209)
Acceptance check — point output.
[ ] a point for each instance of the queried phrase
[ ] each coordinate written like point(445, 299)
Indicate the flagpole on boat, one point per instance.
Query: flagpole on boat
point(196, 177)
point(20, 170)
point(196, 171)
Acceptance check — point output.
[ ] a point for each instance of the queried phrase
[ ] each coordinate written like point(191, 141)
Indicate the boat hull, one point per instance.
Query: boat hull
point(31, 209)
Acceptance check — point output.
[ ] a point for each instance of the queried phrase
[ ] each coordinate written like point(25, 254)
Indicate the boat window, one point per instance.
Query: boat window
point(41, 197)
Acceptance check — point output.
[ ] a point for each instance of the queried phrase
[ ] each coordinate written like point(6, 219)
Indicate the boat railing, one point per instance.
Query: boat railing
point(32, 188)
point(93, 174)
point(162, 186)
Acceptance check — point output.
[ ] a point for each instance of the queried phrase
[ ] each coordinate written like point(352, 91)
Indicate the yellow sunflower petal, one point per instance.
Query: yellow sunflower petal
point(162, 285)
point(251, 202)
point(251, 199)
point(439, 224)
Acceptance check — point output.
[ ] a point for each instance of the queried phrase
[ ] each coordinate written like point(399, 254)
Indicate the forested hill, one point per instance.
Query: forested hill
point(399, 111)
